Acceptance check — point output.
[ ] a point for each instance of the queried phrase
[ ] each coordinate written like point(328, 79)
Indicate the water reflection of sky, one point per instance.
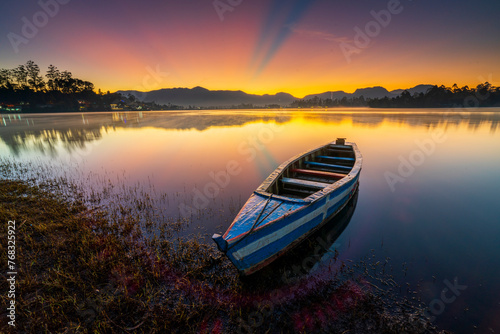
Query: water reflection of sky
point(441, 219)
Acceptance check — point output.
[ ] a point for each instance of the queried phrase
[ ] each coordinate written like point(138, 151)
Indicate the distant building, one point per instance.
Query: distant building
point(116, 107)
point(83, 105)
point(11, 107)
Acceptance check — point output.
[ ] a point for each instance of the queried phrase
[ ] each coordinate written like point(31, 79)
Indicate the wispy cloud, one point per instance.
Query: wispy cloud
point(321, 35)
point(275, 30)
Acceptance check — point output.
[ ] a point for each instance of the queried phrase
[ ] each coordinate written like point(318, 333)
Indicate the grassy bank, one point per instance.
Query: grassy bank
point(79, 272)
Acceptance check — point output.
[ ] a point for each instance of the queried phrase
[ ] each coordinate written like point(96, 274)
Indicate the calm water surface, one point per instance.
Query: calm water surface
point(428, 198)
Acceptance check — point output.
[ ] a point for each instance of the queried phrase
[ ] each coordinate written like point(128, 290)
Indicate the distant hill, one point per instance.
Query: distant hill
point(369, 93)
point(372, 92)
point(337, 95)
point(417, 89)
point(202, 97)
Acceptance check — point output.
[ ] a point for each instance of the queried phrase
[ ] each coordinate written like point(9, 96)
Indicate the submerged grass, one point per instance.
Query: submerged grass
point(78, 272)
point(84, 269)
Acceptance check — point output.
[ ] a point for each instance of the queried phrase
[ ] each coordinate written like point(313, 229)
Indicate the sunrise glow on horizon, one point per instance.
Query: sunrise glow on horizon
point(259, 47)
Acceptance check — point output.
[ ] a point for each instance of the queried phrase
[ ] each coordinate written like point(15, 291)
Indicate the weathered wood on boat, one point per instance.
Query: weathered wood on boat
point(287, 206)
point(318, 173)
point(299, 182)
point(321, 164)
point(332, 150)
point(335, 158)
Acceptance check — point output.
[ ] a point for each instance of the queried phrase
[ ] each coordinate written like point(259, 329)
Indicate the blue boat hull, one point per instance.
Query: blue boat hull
point(269, 225)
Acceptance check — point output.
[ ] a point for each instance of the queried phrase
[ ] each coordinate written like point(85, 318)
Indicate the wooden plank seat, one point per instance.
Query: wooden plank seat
point(302, 183)
point(335, 158)
point(334, 150)
point(318, 173)
point(340, 147)
point(342, 153)
point(321, 164)
point(297, 193)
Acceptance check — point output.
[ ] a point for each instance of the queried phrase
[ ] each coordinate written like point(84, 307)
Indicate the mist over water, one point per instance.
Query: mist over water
point(428, 195)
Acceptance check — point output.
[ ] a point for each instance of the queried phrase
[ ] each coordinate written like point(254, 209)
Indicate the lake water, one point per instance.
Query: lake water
point(428, 198)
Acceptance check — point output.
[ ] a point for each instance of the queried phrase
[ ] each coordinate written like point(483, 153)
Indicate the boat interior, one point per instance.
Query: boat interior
point(314, 171)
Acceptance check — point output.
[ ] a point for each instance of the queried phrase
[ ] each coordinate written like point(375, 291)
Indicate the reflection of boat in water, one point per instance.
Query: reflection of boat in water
point(320, 247)
point(293, 202)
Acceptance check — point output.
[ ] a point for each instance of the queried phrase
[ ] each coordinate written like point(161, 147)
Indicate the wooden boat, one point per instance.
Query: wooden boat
point(318, 249)
point(293, 202)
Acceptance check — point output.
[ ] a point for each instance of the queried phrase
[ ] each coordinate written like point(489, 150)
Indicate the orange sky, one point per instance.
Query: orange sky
point(263, 46)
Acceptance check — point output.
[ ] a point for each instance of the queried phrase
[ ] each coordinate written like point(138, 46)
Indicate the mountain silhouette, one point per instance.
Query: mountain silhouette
point(417, 89)
point(202, 97)
point(369, 93)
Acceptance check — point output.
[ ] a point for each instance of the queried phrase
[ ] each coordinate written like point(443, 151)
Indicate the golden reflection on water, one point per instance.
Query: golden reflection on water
point(283, 133)
point(449, 201)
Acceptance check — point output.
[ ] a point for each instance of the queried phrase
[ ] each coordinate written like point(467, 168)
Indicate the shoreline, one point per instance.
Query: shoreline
point(80, 271)
point(333, 109)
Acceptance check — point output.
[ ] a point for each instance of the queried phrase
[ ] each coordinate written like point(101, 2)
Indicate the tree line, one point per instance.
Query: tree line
point(61, 91)
point(55, 91)
point(28, 77)
point(484, 95)
point(329, 103)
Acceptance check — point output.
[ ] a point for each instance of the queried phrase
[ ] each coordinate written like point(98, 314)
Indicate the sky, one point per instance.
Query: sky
point(259, 46)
